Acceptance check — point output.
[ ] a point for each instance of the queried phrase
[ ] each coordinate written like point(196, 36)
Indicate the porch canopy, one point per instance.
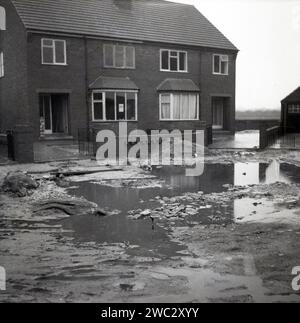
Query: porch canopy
point(113, 83)
point(180, 85)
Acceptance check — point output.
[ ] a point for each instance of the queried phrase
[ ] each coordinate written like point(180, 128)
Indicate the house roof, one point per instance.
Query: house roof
point(293, 97)
point(113, 83)
point(143, 20)
point(182, 85)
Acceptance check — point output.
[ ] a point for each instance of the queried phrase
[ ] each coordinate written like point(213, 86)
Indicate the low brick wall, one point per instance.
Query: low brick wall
point(3, 139)
point(23, 139)
point(3, 148)
point(255, 124)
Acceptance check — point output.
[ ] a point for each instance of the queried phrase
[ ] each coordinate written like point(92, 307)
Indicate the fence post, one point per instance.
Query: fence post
point(262, 138)
point(10, 144)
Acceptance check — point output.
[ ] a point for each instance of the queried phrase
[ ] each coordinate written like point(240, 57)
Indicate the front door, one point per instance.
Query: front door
point(218, 113)
point(46, 114)
point(53, 114)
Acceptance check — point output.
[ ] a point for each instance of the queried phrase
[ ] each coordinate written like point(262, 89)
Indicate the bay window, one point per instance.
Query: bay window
point(179, 106)
point(173, 61)
point(114, 105)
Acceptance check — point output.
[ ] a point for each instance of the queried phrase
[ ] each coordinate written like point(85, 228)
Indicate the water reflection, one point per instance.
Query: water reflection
point(246, 174)
point(255, 173)
point(263, 211)
point(119, 228)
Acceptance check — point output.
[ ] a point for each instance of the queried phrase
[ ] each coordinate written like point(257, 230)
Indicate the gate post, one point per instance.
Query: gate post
point(10, 145)
point(23, 143)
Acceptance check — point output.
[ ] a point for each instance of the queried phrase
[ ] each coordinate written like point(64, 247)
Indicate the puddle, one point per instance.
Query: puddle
point(247, 210)
point(248, 139)
point(119, 228)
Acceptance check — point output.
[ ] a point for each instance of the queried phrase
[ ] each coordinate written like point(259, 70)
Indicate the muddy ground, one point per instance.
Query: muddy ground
point(227, 244)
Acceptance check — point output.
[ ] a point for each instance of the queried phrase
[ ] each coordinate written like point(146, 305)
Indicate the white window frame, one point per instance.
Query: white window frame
point(178, 52)
point(53, 46)
point(103, 101)
point(114, 57)
point(172, 106)
point(3, 16)
point(294, 108)
point(220, 64)
point(1, 64)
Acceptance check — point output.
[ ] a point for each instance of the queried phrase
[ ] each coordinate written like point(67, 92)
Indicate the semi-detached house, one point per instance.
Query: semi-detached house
point(89, 64)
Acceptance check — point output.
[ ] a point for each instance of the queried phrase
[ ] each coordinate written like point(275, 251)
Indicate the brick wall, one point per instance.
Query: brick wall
point(148, 77)
point(73, 80)
point(13, 87)
point(70, 79)
point(218, 85)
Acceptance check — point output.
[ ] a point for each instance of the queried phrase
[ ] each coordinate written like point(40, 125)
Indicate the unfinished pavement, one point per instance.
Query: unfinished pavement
point(225, 262)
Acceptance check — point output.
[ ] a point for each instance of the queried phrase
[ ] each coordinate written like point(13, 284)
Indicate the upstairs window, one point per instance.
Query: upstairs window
point(116, 56)
point(1, 65)
point(54, 52)
point(173, 61)
point(2, 19)
point(220, 64)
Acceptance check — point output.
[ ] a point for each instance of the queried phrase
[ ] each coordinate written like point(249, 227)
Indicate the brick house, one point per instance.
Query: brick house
point(290, 112)
point(72, 64)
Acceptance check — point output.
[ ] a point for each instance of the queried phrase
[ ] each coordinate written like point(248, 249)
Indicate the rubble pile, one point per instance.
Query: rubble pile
point(70, 207)
point(19, 183)
point(190, 204)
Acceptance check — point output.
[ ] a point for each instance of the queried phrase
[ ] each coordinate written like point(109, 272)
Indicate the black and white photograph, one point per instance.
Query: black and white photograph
point(149, 154)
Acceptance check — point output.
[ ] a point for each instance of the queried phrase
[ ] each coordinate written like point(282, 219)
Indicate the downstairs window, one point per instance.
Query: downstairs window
point(114, 105)
point(179, 106)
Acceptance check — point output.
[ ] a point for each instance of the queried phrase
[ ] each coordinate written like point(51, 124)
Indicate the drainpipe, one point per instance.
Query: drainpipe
point(86, 85)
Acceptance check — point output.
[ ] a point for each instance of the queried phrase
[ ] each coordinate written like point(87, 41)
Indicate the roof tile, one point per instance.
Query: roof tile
point(144, 20)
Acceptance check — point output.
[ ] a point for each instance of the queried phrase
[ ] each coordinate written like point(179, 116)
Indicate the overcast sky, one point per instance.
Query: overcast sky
point(267, 33)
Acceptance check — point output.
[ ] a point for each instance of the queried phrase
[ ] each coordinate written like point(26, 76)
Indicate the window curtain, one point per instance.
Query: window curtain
point(165, 111)
point(177, 107)
point(193, 106)
point(184, 106)
point(166, 107)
